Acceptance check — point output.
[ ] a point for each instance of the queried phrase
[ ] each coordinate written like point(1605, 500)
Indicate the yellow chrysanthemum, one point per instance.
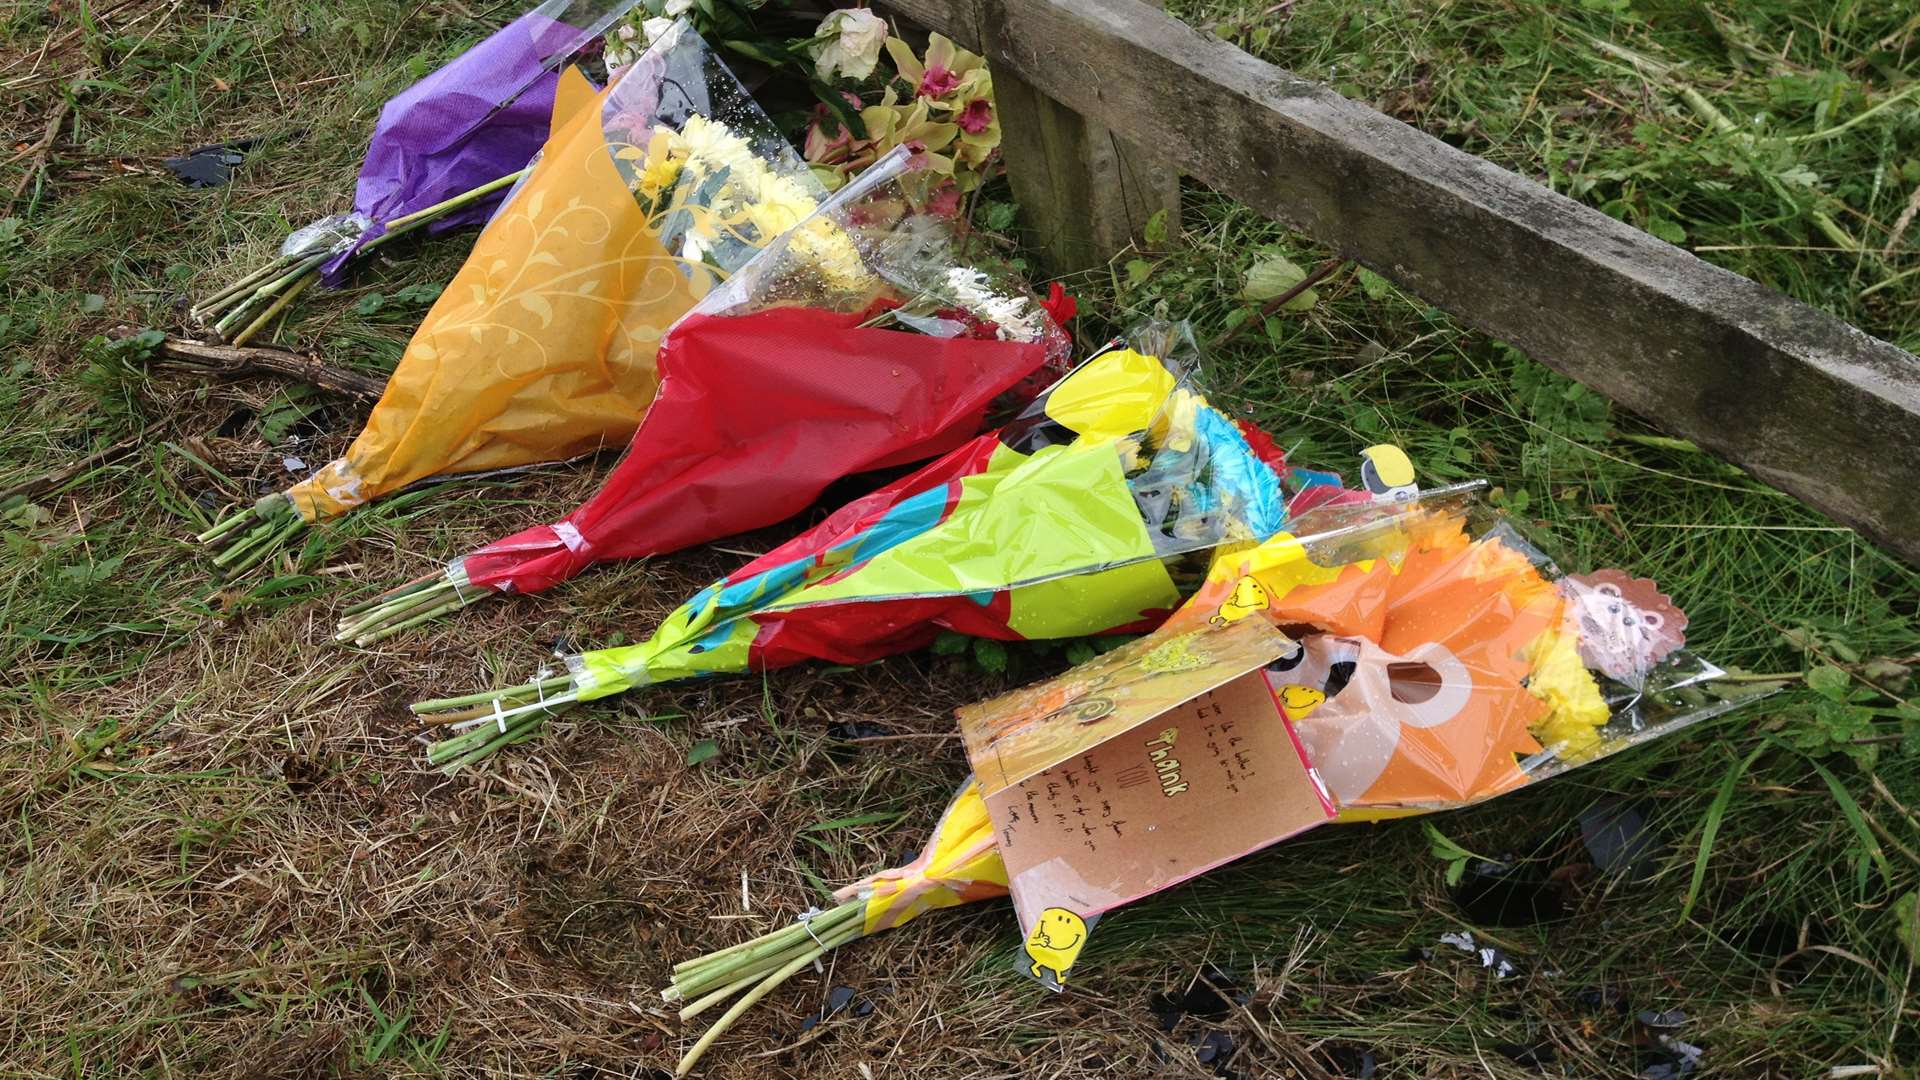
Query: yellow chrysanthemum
point(1575, 710)
point(666, 154)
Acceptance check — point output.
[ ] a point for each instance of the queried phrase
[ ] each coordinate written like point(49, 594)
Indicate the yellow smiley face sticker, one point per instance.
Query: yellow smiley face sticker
point(1058, 935)
point(1248, 597)
point(1299, 701)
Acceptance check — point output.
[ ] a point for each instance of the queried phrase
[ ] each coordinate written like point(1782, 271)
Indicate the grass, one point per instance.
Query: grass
point(223, 854)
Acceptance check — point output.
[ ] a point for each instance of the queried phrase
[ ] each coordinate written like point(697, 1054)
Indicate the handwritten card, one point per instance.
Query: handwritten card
point(1134, 772)
point(1016, 735)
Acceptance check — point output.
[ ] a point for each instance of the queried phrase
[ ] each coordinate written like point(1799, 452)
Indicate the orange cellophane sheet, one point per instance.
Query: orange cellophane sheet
point(542, 348)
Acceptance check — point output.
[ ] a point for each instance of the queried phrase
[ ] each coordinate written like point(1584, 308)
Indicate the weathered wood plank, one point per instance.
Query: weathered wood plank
point(1800, 399)
point(1084, 191)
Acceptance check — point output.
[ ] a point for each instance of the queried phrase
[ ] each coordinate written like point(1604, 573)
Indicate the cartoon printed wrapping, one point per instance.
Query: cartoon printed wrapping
point(1416, 653)
point(1443, 659)
point(1070, 521)
point(542, 348)
point(961, 865)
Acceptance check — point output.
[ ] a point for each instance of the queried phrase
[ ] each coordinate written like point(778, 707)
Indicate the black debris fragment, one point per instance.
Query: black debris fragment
point(1213, 1047)
point(210, 166)
point(838, 999)
point(1509, 894)
point(1600, 999)
point(1664, 1019)
point(1210, 997)
point(1348, 1060)
point(856, 729)
point(1616, 836)
point(1535, 1054)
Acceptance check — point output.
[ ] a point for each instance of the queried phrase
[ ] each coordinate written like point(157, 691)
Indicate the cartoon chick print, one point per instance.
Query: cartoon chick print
point(1055, 943)
point(1248, 597)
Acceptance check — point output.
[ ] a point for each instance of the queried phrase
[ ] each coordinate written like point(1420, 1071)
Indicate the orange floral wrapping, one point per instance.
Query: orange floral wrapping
point(542, 348)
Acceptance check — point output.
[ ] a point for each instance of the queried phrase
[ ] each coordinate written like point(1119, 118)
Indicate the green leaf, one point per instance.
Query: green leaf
point(1850, 810)
point(1456, 870)
point(1829, 682)
point(1667, 230)
point(1156, 230)
point(1080, 652)
point(991, 655)
point(92, 304)
point(704, 750)
point(422, 294)
point(1269, 277)
point(370, 303)
point(1138, 271)
point(950, 643)
point(1906, 914)
point(1443, 847)
point(999, 216)
point(1716, 813)
point(1375, 286)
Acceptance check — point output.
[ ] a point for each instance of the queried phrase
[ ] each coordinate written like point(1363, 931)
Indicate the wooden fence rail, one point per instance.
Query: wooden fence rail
point(1798, 398)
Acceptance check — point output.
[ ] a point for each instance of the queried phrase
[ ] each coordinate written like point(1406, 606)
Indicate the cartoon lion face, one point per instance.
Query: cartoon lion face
point(1624, 624)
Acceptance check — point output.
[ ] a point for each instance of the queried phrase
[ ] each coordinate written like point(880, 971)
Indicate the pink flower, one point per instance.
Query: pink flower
point(945, 202)
point(937, 82)
point(976, 117)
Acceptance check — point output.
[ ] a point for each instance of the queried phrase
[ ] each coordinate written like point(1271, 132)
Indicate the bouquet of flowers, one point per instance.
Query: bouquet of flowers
point(1441, 660)
point(1072, 520)
point(442, 154)
point(646, 197)
point(941, 104)
point(1444, 659)
point(853, 342)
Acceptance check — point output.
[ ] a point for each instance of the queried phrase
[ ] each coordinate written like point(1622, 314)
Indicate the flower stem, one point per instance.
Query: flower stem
point(767, 986)
point(424, 581)
point(407, 607)
point(238, 519)
point(218, 301)
point(420, 217)
point(696, 977)
point(279, 304)
point(481, 742)
point(523, 690)
point(299, 272)
point(376, 636)
point(385, 615)
point(258, 545)
point(720, 995)
point(285, 275)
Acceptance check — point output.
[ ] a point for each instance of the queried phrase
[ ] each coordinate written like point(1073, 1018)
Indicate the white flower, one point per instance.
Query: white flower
point(624, 45)
point(850, 41)
point(676, 8)
point(655, 29)
point(1017, 319)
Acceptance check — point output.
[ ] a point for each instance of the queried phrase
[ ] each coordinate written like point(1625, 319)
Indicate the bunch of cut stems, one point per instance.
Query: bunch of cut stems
point(756, 968)
point(244, 308)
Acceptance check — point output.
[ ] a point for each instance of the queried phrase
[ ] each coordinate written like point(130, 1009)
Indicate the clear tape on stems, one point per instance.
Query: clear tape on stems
point(330, 235)
point(584, 679)
point(456, 573)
